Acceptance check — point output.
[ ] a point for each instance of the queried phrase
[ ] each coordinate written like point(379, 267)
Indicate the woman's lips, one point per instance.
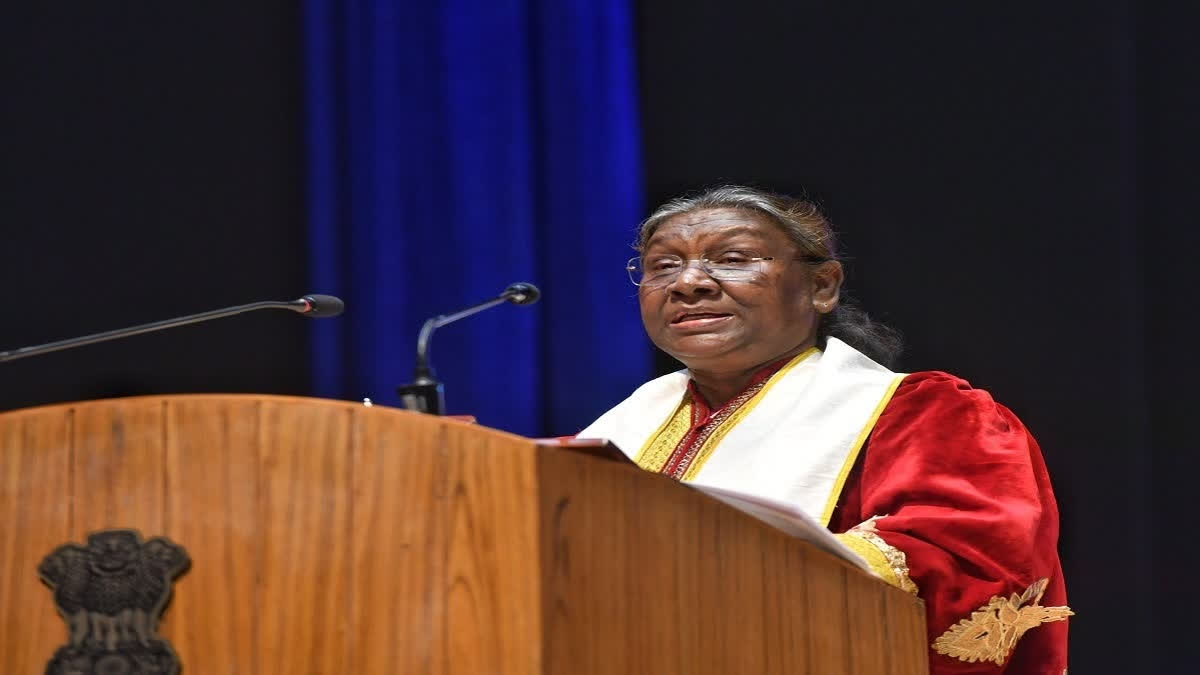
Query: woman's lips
point(699, 320)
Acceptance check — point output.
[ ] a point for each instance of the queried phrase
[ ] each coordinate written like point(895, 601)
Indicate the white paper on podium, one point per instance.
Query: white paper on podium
point(790, 519)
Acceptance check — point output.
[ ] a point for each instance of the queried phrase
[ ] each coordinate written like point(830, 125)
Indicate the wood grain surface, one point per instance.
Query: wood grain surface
point(119, 466)
point(212, 479)
point(35, 510)
point(304, 583)
point(445, 564)
point(329, 537)
point(703, 588)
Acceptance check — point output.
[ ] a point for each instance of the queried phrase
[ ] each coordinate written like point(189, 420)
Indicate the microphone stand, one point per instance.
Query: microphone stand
point(426, 394)
point(313, 305)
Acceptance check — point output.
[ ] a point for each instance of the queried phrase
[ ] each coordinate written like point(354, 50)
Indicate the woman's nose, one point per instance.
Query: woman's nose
point(693, 278)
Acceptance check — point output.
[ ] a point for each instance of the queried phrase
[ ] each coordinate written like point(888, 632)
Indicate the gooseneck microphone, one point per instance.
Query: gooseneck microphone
point(426, 394)
point(315, 306)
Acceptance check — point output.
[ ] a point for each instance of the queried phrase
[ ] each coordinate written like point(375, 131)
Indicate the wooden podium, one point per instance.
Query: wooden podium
point(335, 538)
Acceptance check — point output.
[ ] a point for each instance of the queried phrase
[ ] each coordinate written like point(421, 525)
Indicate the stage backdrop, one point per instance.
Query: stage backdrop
point(455, 147)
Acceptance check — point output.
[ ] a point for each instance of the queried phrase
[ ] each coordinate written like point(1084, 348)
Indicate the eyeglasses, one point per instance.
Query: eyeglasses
point(660, 270)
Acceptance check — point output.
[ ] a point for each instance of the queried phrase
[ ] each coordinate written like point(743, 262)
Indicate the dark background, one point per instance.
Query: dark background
point(152, 165)
point(1012, 183)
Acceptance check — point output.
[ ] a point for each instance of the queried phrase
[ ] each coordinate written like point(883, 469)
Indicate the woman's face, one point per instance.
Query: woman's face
point(734, 326)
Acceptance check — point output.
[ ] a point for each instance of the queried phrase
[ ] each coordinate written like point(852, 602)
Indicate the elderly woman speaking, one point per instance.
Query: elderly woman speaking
point(788, 395)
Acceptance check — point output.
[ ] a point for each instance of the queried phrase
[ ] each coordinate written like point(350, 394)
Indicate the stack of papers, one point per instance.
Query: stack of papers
point(789, 519)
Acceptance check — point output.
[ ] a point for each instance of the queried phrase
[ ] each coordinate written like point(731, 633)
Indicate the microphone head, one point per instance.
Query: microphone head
point(321, 306)
point(521, 293)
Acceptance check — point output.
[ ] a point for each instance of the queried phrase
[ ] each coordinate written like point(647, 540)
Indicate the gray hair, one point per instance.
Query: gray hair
point(811, 231)
point(800, 219)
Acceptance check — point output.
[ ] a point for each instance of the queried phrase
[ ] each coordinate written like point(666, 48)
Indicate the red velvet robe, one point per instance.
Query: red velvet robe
point(963, 492)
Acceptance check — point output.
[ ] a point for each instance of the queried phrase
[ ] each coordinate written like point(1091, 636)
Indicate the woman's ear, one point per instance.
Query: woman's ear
point(826, 285)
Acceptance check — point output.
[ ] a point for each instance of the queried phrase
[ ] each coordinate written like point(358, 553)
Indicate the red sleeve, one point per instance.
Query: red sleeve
point(962, 491)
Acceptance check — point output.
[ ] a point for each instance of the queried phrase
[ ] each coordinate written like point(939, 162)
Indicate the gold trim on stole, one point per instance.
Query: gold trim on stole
point(725, 427)
point(658, 448)
point(840, 482)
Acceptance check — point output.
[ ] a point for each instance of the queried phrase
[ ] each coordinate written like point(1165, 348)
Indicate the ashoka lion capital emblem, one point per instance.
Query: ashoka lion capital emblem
point(111, 593)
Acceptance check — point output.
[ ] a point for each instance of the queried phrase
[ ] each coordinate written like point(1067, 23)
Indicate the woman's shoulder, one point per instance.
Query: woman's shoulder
point(936, 399)
point(934, 379)
point(936, 423)
point(929, 386)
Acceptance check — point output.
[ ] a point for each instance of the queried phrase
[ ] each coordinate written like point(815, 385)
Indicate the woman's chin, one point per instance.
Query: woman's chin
point(699, 350)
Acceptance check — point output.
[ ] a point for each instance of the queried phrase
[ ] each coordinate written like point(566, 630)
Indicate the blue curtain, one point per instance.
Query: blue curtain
point(455, 146)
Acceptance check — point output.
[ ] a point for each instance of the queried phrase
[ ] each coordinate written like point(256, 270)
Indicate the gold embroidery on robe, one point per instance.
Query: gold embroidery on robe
point(889, 562)
point(993, 630)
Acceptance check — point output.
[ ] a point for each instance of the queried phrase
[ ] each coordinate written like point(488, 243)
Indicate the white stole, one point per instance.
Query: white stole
point(798, 442)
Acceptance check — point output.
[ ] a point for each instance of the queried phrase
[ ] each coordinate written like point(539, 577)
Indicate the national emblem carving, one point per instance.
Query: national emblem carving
point(993, 630)
point(111, 593)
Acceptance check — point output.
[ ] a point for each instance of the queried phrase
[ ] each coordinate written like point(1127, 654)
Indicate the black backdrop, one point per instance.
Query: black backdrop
point(151, 158)
point(1011, 182)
